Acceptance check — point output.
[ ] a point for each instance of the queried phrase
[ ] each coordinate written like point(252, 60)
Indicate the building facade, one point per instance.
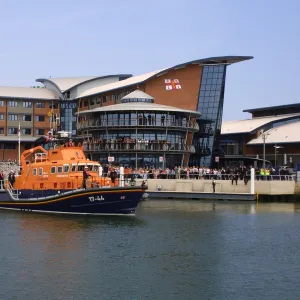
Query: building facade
point(138, 133)
point(197, 86)
point(274, 128)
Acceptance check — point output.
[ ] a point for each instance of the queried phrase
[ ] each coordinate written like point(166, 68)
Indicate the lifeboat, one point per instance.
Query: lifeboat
point(63, 180)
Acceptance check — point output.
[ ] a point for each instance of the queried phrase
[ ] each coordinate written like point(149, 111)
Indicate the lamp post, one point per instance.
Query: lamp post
point(276, 147)
point(264, 137)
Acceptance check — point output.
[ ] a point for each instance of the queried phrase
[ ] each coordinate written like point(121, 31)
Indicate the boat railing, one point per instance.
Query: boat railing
point(14, 194)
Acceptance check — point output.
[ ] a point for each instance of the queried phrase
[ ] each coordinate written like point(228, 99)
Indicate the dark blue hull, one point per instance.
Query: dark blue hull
point(112, 201)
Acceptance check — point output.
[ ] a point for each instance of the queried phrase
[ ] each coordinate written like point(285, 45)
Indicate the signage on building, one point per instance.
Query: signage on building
point(161, 159)
point(111, 159)
point(217, 159)
point(172, 84)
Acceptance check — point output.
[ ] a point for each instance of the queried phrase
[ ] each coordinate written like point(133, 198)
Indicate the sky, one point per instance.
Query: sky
point(96, 37)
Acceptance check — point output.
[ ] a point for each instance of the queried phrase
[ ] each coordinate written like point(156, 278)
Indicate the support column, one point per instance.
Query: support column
point(121, 181)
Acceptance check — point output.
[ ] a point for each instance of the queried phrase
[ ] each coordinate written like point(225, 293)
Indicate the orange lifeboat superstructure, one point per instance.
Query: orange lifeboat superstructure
point(58, 169)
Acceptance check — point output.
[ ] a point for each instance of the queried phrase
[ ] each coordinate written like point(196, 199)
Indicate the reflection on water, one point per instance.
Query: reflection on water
point(194, 206)
point(170, 250)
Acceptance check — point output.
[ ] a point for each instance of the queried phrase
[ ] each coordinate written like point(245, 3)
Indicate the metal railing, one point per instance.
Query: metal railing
point(139, 146)
point(98, 125)
point(197, 176)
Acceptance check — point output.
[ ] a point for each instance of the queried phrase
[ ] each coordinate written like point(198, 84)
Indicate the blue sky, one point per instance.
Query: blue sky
point(76, 38)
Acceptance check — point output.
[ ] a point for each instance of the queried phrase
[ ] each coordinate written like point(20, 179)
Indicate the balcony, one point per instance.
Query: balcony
point(97, 125)
point(138, 147)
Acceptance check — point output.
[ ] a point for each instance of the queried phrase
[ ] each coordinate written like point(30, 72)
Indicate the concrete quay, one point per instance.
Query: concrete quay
point(202, 189)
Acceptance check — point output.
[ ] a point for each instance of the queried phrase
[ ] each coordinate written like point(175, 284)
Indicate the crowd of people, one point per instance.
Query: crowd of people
point(234, 174)
point(127, 143)
point(140, 120)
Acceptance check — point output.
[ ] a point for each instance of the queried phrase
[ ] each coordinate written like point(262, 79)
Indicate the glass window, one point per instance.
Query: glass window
point(1, 103)
point(26, 118)
point(12, 103)
point(13, 130)
point(53, 105)
point(59, 169)
point(12, 117)
point(66, 168)
point(1, 130)
point(53, 170)
point(1, 116)
point(27, 104)
point(40, 118)
point(40, 171)
point(40, 105)
point(26, 131)
point(34, 172)
point(40, 131)
point(74, 168)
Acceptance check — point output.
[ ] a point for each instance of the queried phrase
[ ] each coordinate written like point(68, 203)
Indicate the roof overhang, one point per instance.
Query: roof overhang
point(42, 80)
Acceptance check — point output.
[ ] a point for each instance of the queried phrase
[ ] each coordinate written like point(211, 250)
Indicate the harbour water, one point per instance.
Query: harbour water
point(170, 250)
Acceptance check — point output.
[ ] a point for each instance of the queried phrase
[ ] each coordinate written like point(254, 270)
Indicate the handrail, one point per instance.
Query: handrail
point(95, 125)
point(10, 190)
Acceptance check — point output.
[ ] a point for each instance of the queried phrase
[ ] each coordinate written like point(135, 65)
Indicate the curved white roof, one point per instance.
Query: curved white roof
point(288, 133)
point(119, 84)
point(138, 106)
point(246, 126)
point(141, 78)
point(27, 93)
point(66, 83)
point(137, 94)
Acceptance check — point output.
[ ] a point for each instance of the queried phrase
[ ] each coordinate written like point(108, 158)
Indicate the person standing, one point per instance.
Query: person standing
point(1, 180)
point(11, 178)
point(85, 176)
point(214, 185)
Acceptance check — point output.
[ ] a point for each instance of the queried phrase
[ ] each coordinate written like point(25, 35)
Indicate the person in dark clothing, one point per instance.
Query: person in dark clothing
point(105, 170)
point(85, 177)
point(11, 178)
point(1, 180)
point(214, 186)
point(163, 120)
point(113, 176)
point(234, 178)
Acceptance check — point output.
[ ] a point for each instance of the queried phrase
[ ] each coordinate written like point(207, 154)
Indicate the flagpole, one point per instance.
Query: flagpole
point(19, 142)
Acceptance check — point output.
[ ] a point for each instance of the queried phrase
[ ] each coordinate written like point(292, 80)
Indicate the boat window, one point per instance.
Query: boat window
point(90, 167)
point(40, 171)
point(66, 168)
point(80, 168)
point(34, 172)
point(95, 168)
point(59, 169)
point(53, 170)
point(74, 168)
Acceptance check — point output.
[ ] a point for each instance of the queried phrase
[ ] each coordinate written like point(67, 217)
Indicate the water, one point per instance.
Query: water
point(171, 250)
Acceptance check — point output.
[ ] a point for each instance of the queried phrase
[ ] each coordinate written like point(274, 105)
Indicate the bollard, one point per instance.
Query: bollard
point(252, 180)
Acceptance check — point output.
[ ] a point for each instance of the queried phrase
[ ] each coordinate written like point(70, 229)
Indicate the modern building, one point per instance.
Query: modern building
point(197, 85)
point(138, 132)
point(194, 88)
point(275, 128)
